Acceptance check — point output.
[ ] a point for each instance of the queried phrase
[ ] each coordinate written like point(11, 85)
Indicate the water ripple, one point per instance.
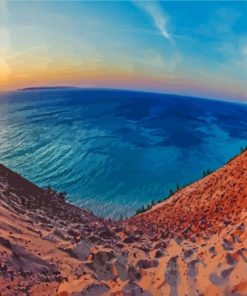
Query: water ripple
point(114, 151)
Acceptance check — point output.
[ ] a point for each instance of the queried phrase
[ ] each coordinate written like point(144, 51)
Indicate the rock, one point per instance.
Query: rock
point(5, 242)
point(227, 245)
point(212, 250)
point(101, 257)
point(57, 232)
point(241, 227)
point(119, 245)
point(159, 254)
point(147, 263)
point(94, 289)
point(74, 232)
point(133, 274)
point(107, 234)
point(241, 253)
point(230, 259)
point(81, 251)
point(188, 253)
point(172, 275)
point(132, 289)
point(225, 273)
point(192, 268)
point(160, 245)
point(118, 229)
point(129, 240)
point(145, 249)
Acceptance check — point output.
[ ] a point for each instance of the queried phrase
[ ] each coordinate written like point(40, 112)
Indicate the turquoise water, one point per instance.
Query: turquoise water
point(113, 151)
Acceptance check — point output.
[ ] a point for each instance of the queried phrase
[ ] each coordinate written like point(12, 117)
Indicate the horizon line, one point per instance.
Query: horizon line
point(56, 87)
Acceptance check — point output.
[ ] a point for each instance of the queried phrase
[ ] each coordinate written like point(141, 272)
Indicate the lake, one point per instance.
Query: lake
point(113, 151)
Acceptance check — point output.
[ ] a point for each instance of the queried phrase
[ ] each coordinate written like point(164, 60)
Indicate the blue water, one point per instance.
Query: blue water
point(113, 151)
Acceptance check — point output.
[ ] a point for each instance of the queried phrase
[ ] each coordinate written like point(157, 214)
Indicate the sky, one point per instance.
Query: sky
point(195, 48)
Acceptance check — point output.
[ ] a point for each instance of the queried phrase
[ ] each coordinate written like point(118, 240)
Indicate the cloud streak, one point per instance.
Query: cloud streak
point(25, 52)
point(160, 20)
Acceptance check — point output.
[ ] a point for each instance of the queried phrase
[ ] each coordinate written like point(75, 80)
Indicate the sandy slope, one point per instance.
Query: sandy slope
point(195, 243)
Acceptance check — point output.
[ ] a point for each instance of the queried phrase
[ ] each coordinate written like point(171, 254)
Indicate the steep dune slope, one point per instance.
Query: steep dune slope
point(203, 208)
point(203, 227)
point(194, 243)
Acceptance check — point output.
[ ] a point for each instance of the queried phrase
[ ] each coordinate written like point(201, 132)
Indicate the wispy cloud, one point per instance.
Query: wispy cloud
point(155, 12)
point(25, 52)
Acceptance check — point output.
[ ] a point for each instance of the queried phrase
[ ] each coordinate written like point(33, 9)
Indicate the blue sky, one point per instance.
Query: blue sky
point(195, 48)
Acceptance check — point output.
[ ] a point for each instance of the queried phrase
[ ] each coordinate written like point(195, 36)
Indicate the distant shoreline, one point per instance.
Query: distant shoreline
point(45, 88)
point(127, 90)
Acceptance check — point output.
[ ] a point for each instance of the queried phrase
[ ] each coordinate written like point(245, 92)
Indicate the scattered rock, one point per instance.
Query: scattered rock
point(147, 263)
point(159, 254)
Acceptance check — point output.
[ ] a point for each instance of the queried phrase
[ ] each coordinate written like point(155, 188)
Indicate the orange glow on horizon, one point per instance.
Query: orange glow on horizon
point(109, 77)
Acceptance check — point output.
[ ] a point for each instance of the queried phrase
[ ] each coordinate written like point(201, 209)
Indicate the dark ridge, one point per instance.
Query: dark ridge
point(33, 197)
point(17, 181)
point(46, 88)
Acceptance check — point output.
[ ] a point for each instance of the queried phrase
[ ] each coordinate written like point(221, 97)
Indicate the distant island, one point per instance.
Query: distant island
point(46, 88)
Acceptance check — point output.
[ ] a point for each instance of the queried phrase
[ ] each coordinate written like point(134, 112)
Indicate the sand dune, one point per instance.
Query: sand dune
point(194, 243)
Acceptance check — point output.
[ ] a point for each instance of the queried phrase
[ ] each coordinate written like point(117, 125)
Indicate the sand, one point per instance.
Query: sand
point(194, 243)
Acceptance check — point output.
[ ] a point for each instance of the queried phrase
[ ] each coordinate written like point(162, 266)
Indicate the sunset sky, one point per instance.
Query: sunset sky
point(192, 48)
